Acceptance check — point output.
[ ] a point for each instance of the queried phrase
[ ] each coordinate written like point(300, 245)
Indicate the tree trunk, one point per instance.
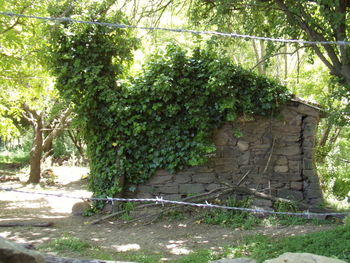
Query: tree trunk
point(36, 152)
point(48, 147)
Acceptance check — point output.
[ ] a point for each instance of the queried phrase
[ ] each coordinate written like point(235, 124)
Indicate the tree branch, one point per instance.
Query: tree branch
point(335, 68)
point(277, 54)
point(61, 123)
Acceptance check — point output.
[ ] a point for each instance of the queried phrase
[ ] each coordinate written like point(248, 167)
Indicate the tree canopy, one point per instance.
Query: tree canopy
point(90, 67)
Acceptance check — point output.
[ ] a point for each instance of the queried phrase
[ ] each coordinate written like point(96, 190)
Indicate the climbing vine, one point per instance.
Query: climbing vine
point(161, 118)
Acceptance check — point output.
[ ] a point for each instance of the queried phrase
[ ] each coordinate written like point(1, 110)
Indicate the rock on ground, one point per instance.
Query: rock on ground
point(303, 258)
point(14, 253)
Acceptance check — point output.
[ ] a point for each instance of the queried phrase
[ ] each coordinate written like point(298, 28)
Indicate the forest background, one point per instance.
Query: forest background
point(36, 122)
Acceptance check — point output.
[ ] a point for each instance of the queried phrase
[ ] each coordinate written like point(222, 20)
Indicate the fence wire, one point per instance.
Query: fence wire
point(161, 201)
point(223, 34)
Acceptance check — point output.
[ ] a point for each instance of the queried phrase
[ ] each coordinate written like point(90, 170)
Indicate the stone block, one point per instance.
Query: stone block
point(191, 188)
point(202, 169)
point(308, 152)
point(296, 121)
point(232, 141)
point(258, 147)
point(289, 150)
point(308, 164)
point(210, 187)
point(307, 110)
point(160, 179)
point(308, 142)
point(295, 166)
point(313, 186)
point(225, 161)
point(162, 172)
point(204, 178)
point(281, 160)
point(174, 189)
point(280, 169)
point(310, 174)
point(309, 130)
point(251, 168)
point(243, 145)
point(145, 189)
point(311, 119)
point(297, 157)
point(296, 185)
point(290, 194)
point(227, 151)
point(313, 193)
point(173, 197)
point(277, 184)
point(286, 177)
point(144, 195)
point(221, 137)
point(182, 178)
point(225, 176)
point(244, 158)
point(291, 138)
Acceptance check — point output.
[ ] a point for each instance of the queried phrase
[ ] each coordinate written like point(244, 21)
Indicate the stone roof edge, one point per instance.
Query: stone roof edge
point(312, 105)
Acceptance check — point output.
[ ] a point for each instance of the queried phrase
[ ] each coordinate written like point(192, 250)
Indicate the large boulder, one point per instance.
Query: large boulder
point(303, 258)
point(14, 253)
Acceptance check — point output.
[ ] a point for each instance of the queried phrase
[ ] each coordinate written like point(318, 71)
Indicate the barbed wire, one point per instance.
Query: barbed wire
point(232, 35)
point(161, 201)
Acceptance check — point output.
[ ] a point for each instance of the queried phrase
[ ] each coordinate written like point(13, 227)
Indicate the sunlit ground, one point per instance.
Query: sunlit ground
point(169, 237)
point(65, 185)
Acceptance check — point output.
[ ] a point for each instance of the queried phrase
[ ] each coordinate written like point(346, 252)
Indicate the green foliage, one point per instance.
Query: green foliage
point(162, 118)
point(23, 77)
point(87, 60)
point(335, 170)
point(233, 218)
point(199, 256)
point(67, 243)
point(333, 243)
point(128, 207)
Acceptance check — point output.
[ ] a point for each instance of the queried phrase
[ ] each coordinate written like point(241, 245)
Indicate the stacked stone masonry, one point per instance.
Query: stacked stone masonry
point(274, 155)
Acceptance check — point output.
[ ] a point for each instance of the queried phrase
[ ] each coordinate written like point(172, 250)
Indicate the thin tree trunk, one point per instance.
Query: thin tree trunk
point(36, 152)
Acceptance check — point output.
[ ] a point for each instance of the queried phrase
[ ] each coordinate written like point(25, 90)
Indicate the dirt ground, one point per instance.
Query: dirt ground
point(170, 237)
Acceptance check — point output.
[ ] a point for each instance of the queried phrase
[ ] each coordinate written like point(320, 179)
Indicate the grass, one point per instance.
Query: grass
point(73, 246)
point(334, 243)
point(67, 243)
point(199, 256)
point(246, 220)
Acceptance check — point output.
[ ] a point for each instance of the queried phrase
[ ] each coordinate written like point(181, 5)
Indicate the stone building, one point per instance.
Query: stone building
point(272, 155)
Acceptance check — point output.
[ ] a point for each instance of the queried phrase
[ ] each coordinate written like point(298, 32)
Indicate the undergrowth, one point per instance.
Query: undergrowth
point(331, 243)
point(247, 220)
point(334, 243)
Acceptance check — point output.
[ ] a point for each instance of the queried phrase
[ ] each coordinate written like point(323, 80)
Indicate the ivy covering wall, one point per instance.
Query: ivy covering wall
point(163, 117)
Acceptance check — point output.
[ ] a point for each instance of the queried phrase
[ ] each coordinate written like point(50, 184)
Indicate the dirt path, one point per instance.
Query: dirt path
point(171, 238)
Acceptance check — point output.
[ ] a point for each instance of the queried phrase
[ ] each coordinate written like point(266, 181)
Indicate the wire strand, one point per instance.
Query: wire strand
point(161, 201)
point(232, 35)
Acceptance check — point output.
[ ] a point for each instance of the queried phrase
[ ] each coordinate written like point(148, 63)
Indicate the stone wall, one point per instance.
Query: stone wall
point(274, 155)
